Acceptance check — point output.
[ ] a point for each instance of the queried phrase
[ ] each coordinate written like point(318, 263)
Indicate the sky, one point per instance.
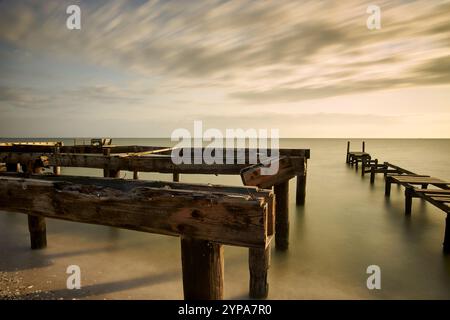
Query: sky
point(311, 69)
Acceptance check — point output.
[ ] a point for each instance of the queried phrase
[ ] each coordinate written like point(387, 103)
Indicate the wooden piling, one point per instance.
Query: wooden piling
point(57, 170)
point(408, 201)
point(176, 177)
point(12, 167)
point(281, 191)
point(36, 225)
point(259, 262)
point(107, 172)
point(300, 194)
point(111, 173)
point(373, 169)
point(38, 233)
point(135, 175)
point(202, 263)
point(387, 187)
point(364, 161)
point(347, 159)
point(363, 146)
point(447, 234)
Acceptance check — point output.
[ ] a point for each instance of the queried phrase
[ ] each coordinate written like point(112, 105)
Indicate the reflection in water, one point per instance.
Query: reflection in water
point(345, 226)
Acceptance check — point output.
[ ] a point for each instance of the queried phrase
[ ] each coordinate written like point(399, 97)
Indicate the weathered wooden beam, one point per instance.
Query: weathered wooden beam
point(155, 163)
point(138, 150)
point(253, 175)
point(202, 263)
point(228, 218)
point(259, 263)
point(399, 169)
point(282, 215)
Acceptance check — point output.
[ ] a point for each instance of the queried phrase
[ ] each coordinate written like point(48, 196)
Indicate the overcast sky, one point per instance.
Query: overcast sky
point(145, 68)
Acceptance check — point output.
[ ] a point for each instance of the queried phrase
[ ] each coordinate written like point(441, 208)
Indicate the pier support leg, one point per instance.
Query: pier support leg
point(36, 225)
point(259, 262)
point(364, 164)
point(202, 263)
point(408, 201)
point(447, 234)
point(282, 215)
point(301, 186)
point(56, 171)
point(347, 159)
point(111, 173)
point(136, 175)
point(372, 173)
point(38, 234)
point(176, 177)
point(12, 167)
point(387, 188)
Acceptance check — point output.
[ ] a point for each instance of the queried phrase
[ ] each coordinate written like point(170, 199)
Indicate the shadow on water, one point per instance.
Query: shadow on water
point(103, 288)
point(31, 259)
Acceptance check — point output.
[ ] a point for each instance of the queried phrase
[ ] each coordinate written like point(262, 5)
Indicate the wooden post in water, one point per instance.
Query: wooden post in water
point(387, 187)
point(202, 263)
point(56, 169)
point(135, 175)
point(38, 232)
point(259, 262)
point(363, 146)
point(109, 173)
point(347, 159)
point(372, 171)
point(176, 177)
point(281, 191)
point(301, 185)
point(408, 201)
point(12, 167)
point(363, 165)
point(36, 225)
point(447, 234)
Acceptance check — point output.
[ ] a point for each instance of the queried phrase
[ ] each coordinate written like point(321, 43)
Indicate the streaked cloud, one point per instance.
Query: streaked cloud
point(181, 58)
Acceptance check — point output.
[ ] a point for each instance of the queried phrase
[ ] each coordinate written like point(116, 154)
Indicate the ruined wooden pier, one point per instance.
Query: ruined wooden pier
point(439, 196)
point(205, 217)
point(199, 251)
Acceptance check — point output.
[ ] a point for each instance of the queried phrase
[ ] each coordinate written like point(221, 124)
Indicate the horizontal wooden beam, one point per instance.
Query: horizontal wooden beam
point(206, 213)
point(150, 163)
point(399, 169)
point(114, 149)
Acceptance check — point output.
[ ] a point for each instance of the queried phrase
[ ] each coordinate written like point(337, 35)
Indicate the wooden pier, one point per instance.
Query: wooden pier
point(113, 159)
point(249, 216)
point(393, 174)
point(353, 158)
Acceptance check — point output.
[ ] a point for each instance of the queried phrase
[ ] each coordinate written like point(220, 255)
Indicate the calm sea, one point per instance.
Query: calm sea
point(345, 226)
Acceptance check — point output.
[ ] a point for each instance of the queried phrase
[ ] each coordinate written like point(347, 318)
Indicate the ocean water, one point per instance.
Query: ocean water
point(345, 226)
